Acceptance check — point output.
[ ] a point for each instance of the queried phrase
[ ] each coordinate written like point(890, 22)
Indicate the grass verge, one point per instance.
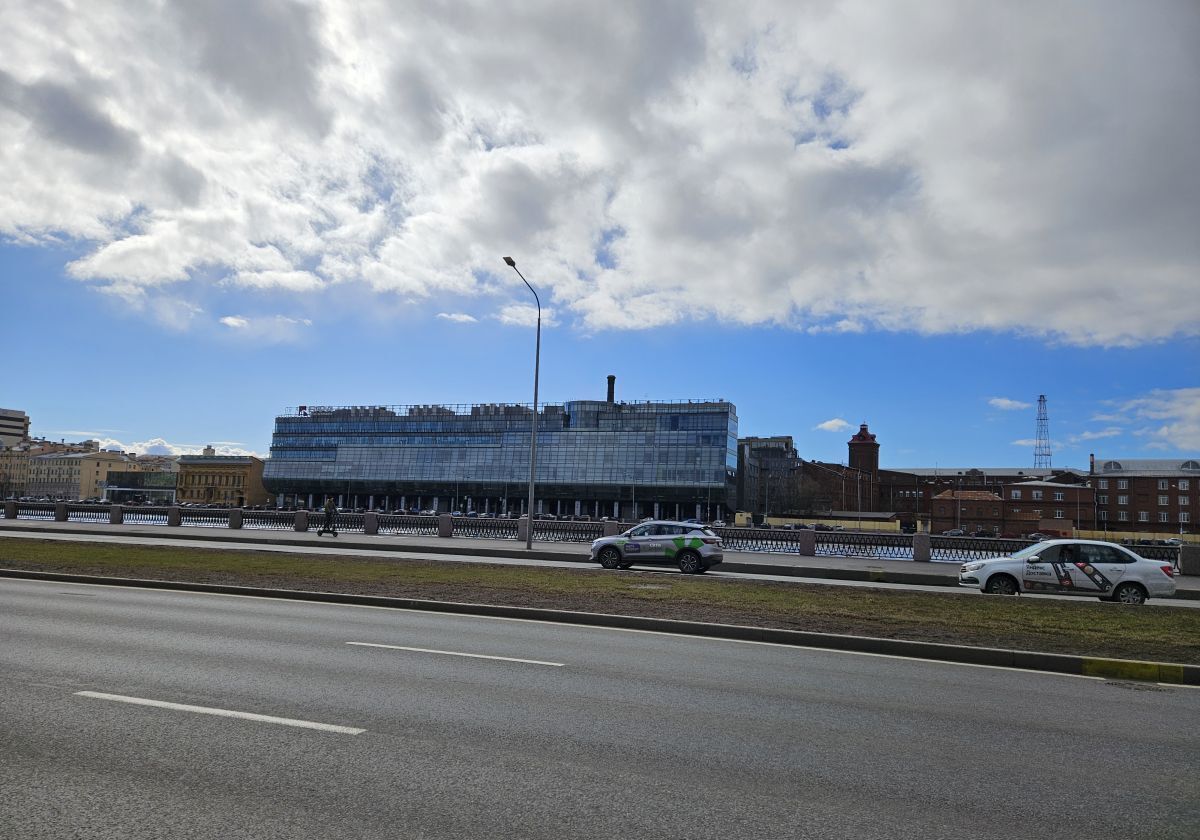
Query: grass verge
point(1085, 628)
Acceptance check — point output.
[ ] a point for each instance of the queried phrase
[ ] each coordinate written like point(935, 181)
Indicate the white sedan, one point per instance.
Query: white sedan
point(1073, 567)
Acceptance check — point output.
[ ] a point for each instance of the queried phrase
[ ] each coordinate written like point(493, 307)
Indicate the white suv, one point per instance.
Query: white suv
point(694, 548)
point(1074, 567)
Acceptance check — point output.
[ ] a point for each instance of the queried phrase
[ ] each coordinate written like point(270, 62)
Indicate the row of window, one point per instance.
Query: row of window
point(1163, 501)
point(1163, 484)
point(1144, 516)
point(214, 480)
point(1036, 495)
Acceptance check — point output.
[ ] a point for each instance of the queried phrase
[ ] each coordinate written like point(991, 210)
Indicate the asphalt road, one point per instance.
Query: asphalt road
point(381, 725)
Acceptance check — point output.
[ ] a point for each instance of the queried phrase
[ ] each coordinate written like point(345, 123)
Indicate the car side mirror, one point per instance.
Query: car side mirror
point(1037, 558)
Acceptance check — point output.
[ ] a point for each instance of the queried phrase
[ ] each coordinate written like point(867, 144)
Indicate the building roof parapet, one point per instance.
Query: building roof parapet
point(1148, 466)
point(218, 459)
point(371, 412)
point(969, 495)
point(978, 472)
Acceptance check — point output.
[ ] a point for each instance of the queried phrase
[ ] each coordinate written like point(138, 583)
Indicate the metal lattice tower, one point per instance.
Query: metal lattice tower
point(1041, 451)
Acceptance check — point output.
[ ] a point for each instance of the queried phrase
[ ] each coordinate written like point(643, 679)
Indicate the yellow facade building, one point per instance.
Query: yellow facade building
point(227, 480)
point(72, 475)
point(14, 471)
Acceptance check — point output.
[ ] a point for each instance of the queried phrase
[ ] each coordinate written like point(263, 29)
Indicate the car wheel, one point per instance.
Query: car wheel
point(1129, 593)
point(1001, 585)
point(610, 558)
point(690, 563)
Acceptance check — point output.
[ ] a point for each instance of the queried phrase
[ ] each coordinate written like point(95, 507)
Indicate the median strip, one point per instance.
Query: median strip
point(208, 710)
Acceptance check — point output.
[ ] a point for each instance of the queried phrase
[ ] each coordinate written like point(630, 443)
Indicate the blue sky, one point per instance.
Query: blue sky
point(825, 212)
point(93, 368)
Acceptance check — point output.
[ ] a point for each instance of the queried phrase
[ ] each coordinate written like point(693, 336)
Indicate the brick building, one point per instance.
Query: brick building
point(1151, 496)
point(970, 510)
point(1056, 506)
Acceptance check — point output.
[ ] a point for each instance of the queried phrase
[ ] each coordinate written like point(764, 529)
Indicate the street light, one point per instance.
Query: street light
point(537, 357)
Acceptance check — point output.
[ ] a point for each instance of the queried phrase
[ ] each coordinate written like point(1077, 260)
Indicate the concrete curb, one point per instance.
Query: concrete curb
point(1027, 660)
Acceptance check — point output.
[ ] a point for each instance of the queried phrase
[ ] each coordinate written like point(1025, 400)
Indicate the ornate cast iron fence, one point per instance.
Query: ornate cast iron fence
point(485, 529)
point(399, 523)
point(204, 517)
point(552, 530)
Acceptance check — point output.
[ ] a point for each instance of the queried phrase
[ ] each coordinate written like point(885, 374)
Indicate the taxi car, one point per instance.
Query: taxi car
point(695, 548)
point(1094, 568)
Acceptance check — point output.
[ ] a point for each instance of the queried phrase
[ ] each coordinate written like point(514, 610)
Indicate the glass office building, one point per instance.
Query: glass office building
point(594, 458)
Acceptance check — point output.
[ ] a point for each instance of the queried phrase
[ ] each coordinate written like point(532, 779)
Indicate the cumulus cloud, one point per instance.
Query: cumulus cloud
point(1170, 419)
point(837, 424)
point(1111, 431)
point(520, 315)
point(1005, 404)
point(269, 329)
point(457, 317)
point(830, 167)
point(161, 446)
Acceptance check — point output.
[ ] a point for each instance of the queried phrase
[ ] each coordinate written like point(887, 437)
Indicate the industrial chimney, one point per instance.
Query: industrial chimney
point(612, 388)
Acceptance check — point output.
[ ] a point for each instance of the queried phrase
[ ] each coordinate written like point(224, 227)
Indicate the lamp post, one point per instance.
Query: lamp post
point(537, 357)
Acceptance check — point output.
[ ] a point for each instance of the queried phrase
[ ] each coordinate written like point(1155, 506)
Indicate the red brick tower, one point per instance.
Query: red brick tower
point(864, 452)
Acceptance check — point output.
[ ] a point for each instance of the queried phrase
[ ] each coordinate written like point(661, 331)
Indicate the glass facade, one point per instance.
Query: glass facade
point(590, 454)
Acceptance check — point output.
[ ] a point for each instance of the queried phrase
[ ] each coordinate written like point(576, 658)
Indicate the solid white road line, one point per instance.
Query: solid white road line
point(206, 710)
point(456, 653)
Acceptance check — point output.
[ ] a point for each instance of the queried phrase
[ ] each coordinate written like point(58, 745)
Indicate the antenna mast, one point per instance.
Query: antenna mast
point(1041, 452)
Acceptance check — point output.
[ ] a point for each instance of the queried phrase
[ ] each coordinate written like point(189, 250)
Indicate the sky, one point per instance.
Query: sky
point(919, 215)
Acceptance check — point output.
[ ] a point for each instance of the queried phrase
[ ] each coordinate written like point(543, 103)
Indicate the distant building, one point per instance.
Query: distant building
point(14, 470)
point(72, 475)
point(141, 486)
point(595, 458)
point(14, 427)
point(969, 510)
point(764, 470)
point(227, 480)
point(1058, 506)
point(1159, 495)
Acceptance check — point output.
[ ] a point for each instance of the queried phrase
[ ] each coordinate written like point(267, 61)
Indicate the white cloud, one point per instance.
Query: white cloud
point(831, 167)
point(837, 424)
point(1005, 404)
point(1026, 442)
point(1111, 431)
point(845, 325)
point(1172, 419)
point(520, 315)
point(458, 317)
point(271, 329)
point(160, 446)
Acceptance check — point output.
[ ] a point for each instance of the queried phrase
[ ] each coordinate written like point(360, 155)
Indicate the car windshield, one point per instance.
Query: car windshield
point(1028, 551)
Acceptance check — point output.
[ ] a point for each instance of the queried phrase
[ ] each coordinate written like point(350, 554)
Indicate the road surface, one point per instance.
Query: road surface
point(147, 714)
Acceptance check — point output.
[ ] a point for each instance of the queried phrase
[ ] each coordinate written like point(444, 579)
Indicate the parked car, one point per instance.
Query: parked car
point(719, 523)
point(954, 532)
point(1073, 567)
point(693, 547)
